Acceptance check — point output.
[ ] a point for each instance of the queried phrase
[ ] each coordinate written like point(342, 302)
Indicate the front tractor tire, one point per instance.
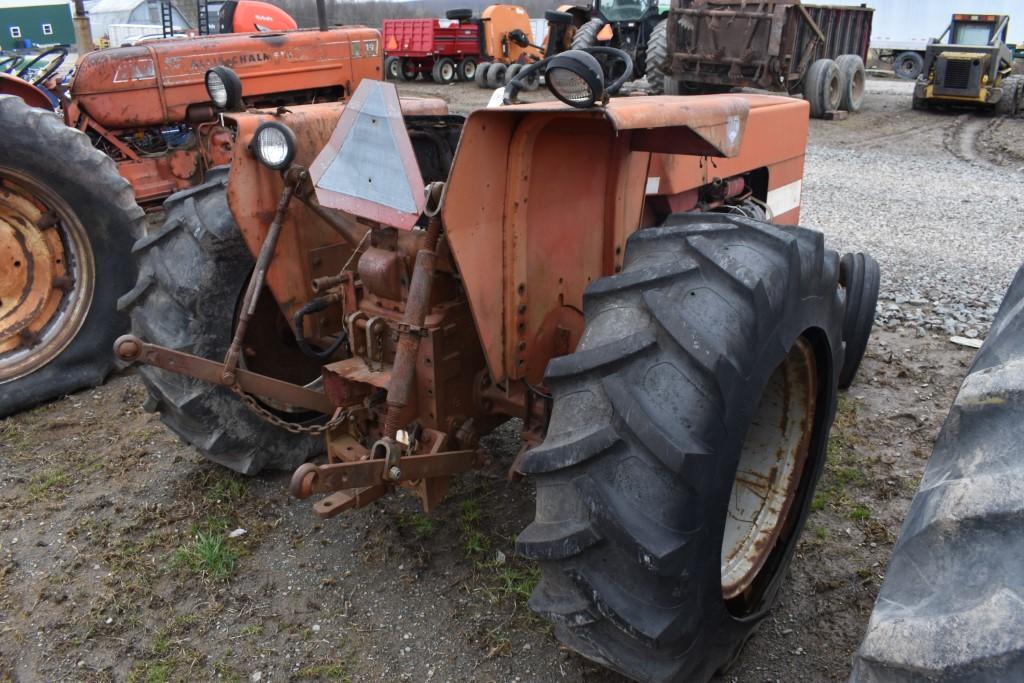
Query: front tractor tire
point(67, 223)
point(688, 431)
point(192, 273)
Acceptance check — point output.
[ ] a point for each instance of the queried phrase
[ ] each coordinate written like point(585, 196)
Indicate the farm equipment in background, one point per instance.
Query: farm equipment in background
point(399, 281)
point(975, 68)
point(636, 27)
point(787, 47)
point(67, 221)
point(489, 50)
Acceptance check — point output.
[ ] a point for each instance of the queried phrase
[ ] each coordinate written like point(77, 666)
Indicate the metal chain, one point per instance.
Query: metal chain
point(293, 427)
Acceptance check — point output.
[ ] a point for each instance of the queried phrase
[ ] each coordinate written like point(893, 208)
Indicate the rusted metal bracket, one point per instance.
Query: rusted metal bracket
point(131, 349)
point(309, 478)
point(339, 501)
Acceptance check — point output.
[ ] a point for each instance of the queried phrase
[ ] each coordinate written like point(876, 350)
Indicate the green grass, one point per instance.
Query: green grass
point(332, 671)
point(151, 672)
point(860, 513)
point(48, 480)
point(209, 555)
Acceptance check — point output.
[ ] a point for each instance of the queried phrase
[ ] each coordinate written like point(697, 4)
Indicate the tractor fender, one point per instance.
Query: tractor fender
point(31, 94)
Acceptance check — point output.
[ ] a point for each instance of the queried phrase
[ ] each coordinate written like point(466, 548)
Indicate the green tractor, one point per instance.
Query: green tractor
point(973, 69)
point(635, 26)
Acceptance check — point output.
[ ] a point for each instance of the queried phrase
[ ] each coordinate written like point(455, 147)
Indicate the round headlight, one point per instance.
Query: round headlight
point(274, 145)
point(224, 88)
point(576, 78)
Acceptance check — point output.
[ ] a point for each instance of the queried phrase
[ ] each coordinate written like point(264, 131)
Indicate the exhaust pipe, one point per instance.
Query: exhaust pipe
point(321, 14)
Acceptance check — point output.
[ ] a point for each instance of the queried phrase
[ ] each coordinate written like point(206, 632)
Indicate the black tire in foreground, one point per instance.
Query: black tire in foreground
point(55, 184)
point(861, 277)
point(191, 276)
point(657, 57)
point(717, 347)
point(950, 605)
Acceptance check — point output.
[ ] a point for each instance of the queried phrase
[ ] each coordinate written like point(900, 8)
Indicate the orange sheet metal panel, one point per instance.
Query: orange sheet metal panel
point(153, 84)
point(529, 234)
point(254, 190)
point(775, 138)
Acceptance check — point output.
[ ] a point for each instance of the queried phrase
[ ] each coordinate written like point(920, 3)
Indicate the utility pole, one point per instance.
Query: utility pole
point(83, 31)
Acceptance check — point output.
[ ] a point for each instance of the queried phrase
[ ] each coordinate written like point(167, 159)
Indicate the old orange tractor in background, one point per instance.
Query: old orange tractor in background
point(383, 283)
point(143, 114)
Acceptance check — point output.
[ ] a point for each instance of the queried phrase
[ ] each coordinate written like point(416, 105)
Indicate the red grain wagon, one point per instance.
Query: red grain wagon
point(447, 49)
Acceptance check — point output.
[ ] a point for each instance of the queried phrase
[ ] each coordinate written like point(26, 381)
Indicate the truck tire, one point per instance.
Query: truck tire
point(852, 82)
point(191, 276)
point(67, 223)
point(407, 70)
point(392, 69)
point(444, 71)
point(467, 69)
point(480, 77)
point(657, 57)
point(586, 35)
point(496, 75)
point(908, 65)
point(822, 87)
point(459, 14)
point(1010, 102)
point(861, 277)
point(949, 608)
point(718, 331)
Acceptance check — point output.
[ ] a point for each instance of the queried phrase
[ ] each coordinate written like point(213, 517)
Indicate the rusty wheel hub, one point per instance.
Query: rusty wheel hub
point(47, 275)
point(770, 469)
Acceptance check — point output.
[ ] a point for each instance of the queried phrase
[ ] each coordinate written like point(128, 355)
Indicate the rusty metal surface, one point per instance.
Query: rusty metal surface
point(770, 469)
point(253, 190)
point(556, 216)
point(310, 479)
point(131, 349)
point(47, 274)
point(154, 84)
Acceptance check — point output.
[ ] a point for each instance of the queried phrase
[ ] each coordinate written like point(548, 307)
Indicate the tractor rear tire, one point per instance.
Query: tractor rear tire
point(467, 69)
point(586, 35)
point(822, 87)
point(496, 75)
point(719, 341)
point(908, 65)
point(444, 71)
point(949, 608)
point(657, 58)
point(51, 170)
point(480, 77)
point(191, 276)
point(392, 69)
point(860, 276)
point(853, 79)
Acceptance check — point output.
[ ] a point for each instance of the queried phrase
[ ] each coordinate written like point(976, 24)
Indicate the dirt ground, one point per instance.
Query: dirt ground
point(125, 556)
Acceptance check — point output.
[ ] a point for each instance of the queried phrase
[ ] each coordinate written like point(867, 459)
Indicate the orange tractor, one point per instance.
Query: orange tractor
point(145, 115)
point(383, 283)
